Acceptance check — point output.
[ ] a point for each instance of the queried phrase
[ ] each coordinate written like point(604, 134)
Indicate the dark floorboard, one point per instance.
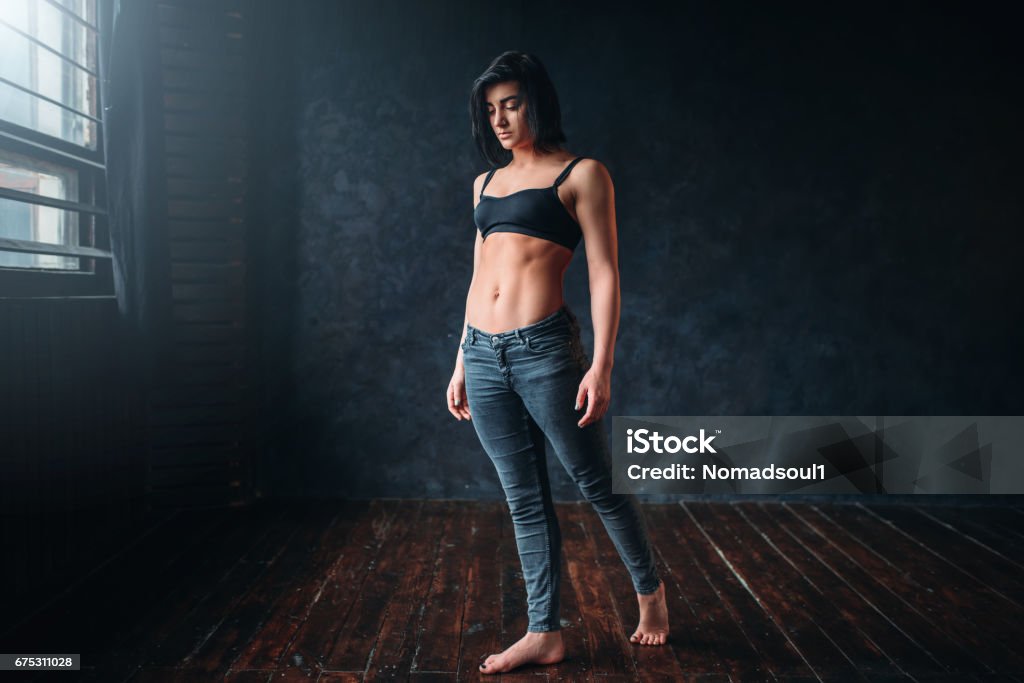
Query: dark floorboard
point(422, 590)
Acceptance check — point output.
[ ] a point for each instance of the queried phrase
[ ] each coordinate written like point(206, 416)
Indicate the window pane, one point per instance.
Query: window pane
point(23, 221)
point(54, 28)
point(25, 174)
point(38, 70)
point(83, 8)
point(18, 106)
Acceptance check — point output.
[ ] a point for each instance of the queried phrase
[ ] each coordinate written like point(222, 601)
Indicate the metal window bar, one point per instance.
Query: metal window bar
point(64, 204)
point(48, 147)
point(48, 99)
point(32, 247)
point(71, 14)
point(29, 247)
point(49, 49)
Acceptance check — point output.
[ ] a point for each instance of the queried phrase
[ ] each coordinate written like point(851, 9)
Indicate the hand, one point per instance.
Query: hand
point(595, 389)
point(458, 404)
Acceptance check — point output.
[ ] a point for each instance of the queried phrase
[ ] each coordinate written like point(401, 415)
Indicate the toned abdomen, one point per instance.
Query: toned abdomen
point(519, 280)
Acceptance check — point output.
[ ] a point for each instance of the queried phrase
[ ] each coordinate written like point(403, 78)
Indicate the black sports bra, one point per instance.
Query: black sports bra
point(536, 211)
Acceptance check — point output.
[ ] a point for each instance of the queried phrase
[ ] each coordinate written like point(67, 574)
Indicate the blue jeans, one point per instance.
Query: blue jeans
point(521, 386)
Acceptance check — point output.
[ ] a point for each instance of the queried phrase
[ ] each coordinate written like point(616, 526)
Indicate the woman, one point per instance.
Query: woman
point(521, 373)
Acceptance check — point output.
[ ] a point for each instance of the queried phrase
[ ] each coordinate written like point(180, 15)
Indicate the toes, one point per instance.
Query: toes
point(642, 638)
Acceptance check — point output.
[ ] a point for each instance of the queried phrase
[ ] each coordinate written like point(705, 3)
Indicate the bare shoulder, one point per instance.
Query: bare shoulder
point(590, 176)
point(592, 168)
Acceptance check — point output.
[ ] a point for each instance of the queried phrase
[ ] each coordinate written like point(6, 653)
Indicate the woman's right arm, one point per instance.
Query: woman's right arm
point(477, 245)
point(458, 405)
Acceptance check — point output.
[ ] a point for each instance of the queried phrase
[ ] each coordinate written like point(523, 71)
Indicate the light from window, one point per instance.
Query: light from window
point(24, 221)
point(50, 148)
point(48, 70)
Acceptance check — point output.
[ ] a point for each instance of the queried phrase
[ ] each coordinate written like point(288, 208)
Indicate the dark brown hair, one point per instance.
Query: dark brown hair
point(543, 114)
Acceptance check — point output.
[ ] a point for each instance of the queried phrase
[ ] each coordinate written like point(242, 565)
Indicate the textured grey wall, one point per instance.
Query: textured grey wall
point(818, 214)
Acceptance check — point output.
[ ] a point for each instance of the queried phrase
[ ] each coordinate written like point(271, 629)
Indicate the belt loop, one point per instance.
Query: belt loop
point(472, 335)
point(519, 336)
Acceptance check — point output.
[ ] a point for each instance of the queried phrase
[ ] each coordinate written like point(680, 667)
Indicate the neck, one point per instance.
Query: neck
point(525, 156)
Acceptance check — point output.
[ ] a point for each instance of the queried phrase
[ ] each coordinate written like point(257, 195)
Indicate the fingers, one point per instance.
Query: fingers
point(452, 408)
point(596, 405)
point(581, 395)
point(588, 416)
point(458, 404)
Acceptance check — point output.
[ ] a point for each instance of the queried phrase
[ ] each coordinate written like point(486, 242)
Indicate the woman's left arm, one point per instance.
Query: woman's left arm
point(595, 209)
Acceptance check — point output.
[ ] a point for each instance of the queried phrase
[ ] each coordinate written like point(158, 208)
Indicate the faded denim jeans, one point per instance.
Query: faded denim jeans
point(521, 386)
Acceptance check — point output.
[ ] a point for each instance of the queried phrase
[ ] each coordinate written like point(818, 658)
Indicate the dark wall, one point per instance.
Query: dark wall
point(72, 460)
point(818, 213)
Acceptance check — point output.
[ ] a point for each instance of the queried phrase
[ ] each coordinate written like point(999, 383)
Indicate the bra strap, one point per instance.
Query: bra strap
point(563, 174)
point(487, 180)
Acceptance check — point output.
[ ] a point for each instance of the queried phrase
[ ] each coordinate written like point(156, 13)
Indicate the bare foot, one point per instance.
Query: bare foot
point(653, 628)
point(533, 648)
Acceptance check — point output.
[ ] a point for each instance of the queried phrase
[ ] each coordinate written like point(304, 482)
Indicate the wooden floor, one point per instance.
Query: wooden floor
point(422, 590)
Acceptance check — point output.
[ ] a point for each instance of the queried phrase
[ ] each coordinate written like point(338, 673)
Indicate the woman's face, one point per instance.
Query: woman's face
point(507, 114)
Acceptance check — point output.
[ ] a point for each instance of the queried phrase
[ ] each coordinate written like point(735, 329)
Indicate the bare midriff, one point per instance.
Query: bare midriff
point(519, 281)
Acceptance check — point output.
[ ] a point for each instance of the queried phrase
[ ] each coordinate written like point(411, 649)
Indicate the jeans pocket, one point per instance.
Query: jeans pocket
point(549, 341)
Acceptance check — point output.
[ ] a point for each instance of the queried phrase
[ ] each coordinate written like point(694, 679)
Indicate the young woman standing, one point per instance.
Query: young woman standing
point(521, 373)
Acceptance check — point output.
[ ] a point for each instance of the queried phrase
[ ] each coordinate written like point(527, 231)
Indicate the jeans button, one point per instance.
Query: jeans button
point(494, 339)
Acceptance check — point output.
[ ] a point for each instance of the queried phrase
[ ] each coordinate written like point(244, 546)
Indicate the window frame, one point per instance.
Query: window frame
point(94, 277)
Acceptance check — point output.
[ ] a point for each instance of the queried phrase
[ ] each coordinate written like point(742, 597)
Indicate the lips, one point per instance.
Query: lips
point(504, 135)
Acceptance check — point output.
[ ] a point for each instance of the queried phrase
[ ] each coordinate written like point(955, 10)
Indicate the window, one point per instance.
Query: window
point(53, 229)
